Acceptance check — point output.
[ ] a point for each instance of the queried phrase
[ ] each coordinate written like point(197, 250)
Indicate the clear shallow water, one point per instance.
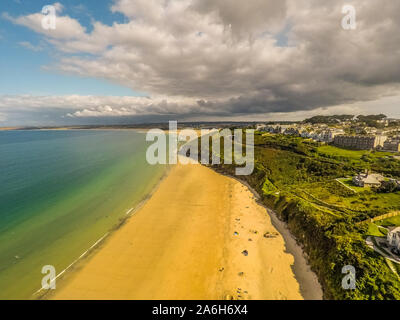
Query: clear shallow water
point(60, 191)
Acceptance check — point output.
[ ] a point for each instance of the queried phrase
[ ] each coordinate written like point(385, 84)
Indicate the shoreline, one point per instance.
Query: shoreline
point(202, 245)
point(310, 287)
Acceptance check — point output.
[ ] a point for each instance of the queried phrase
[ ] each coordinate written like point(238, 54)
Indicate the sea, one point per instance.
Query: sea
point(61, 191)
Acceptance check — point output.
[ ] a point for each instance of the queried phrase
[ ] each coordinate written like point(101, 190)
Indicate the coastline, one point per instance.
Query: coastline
point(188, 242)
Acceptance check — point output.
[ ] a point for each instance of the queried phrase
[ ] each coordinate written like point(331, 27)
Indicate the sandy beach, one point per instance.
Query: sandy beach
point(201, 235)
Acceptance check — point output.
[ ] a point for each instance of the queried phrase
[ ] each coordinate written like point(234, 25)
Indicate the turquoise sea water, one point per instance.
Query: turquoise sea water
point(60, 191)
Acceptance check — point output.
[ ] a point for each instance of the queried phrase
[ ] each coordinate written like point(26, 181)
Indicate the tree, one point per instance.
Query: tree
point(388, 187)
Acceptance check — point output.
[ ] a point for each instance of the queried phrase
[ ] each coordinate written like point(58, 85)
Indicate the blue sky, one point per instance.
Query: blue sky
point(22, 69)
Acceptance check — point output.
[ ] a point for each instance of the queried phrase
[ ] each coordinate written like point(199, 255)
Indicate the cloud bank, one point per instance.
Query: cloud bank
point(226, 58)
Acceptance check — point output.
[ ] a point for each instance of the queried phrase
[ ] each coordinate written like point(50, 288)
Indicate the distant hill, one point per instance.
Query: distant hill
point(329, 119)
point(371, 117)
point(370, 120)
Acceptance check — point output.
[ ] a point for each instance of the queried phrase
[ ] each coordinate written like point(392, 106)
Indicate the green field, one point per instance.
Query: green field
point(390, 222)
point(350, 154)
point(365, 203)
point(374, 230)
point(349, 182)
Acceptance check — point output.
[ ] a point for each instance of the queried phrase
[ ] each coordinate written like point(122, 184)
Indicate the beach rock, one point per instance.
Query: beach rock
point(245, 253)
point(269, 235)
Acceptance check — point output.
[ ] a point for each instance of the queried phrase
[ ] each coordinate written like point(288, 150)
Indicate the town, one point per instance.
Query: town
point(369, 148)
point(374, 132)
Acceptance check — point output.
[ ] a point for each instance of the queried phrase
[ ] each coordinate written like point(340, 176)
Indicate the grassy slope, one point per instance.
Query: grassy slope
point(390, 222)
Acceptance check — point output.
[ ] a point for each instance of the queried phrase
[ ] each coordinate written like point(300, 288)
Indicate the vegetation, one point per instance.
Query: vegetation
point(389, 187)
point(374, 230)
point(370, 120)
point(389, 222)
point(297, 178)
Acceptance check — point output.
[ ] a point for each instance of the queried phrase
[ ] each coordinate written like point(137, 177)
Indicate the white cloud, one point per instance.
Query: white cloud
point(59, 7)
point(66, 27)
point(84, 106)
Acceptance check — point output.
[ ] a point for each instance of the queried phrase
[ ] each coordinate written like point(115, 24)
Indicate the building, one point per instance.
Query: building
point(368, 180)
point(279, 128)
point(392, 145)
point(329, 135)
point(393, 238)
point(260, 127)
point(292, 131)
point(359, 142)
point(271, 129)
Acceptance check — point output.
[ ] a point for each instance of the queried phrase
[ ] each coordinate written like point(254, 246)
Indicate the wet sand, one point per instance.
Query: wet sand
point(202, 236)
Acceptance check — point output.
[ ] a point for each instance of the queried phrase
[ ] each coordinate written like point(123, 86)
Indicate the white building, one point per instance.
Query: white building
point(329, 135)
point(393, 238)
point(306, 134)
point(392, 145)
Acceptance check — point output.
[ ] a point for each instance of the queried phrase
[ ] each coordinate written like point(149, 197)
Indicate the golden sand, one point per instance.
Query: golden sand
point(200, 236)
point(8, 128)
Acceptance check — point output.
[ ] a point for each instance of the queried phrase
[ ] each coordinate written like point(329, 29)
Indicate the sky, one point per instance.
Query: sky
point(134, 61)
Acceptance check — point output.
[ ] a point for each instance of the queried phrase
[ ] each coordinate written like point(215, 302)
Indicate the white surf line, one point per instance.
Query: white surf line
point(129, 211)
point(80, 257)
